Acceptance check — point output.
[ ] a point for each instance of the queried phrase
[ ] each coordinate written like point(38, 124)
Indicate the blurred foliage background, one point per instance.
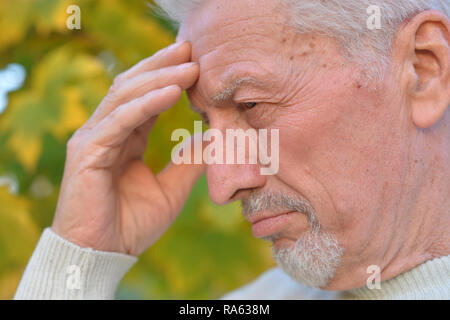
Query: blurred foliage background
point(207, 252)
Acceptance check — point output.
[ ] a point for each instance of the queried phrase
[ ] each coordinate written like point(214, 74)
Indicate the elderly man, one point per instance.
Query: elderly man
point(363, 187)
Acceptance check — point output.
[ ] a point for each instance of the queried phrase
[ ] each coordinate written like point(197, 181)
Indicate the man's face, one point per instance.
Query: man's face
point(338, 149)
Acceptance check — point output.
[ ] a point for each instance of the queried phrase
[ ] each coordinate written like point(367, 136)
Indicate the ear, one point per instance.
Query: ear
point(426, 40)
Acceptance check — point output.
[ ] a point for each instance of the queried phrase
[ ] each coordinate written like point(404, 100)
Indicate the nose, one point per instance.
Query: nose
point(231, 182)
point(232, 179)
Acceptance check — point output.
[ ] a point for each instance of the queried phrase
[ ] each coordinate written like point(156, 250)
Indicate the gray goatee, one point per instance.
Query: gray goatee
point(316, 255)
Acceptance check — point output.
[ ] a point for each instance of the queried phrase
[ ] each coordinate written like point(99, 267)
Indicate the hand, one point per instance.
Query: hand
point(109, 199)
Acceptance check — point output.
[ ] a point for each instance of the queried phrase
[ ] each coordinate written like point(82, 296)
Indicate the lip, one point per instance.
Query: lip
point(264, 224)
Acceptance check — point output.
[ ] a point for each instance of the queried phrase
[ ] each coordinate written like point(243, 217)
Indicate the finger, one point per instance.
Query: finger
point(119, 124)
point(177, 53)
point(184, 75)
point(145, 128)
point(177, 180)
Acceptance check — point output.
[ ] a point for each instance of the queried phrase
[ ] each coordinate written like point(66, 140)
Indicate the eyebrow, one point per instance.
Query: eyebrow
point(228, 92)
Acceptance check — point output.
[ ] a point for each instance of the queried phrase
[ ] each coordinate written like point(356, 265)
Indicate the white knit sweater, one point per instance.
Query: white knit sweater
point(59, 269)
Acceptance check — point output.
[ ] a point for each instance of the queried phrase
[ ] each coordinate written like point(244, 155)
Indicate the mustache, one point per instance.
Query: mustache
point(270, 200)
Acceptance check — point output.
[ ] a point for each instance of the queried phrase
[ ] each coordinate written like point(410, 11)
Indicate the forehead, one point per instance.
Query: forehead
point(232, 39)
point(217, 22)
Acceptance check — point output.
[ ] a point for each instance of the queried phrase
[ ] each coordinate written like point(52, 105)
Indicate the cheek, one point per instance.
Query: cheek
point(334, 148)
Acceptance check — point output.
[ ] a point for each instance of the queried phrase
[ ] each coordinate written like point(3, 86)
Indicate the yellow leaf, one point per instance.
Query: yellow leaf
point(27, 148)
point(14, 21)
point(73, 115)
point(60, 16)
point(8, 284)
point(18, 237)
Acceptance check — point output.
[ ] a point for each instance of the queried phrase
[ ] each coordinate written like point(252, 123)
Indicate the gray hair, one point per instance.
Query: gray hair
point(343, 20)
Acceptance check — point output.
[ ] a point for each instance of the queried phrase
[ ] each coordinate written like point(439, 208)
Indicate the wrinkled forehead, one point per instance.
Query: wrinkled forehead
point(230, 24)
point(233, 39)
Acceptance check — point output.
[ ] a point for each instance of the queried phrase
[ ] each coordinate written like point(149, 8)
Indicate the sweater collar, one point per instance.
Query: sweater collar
point(429, 280)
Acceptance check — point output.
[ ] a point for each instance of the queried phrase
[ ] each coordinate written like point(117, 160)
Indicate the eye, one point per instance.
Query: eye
point(249, 105)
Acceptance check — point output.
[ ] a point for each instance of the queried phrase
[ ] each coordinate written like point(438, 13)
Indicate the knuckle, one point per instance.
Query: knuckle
point(112, 97)
point(76, 140)
point(114, 117)
point(118, 79)
point(113, 90)
point(116, 92)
